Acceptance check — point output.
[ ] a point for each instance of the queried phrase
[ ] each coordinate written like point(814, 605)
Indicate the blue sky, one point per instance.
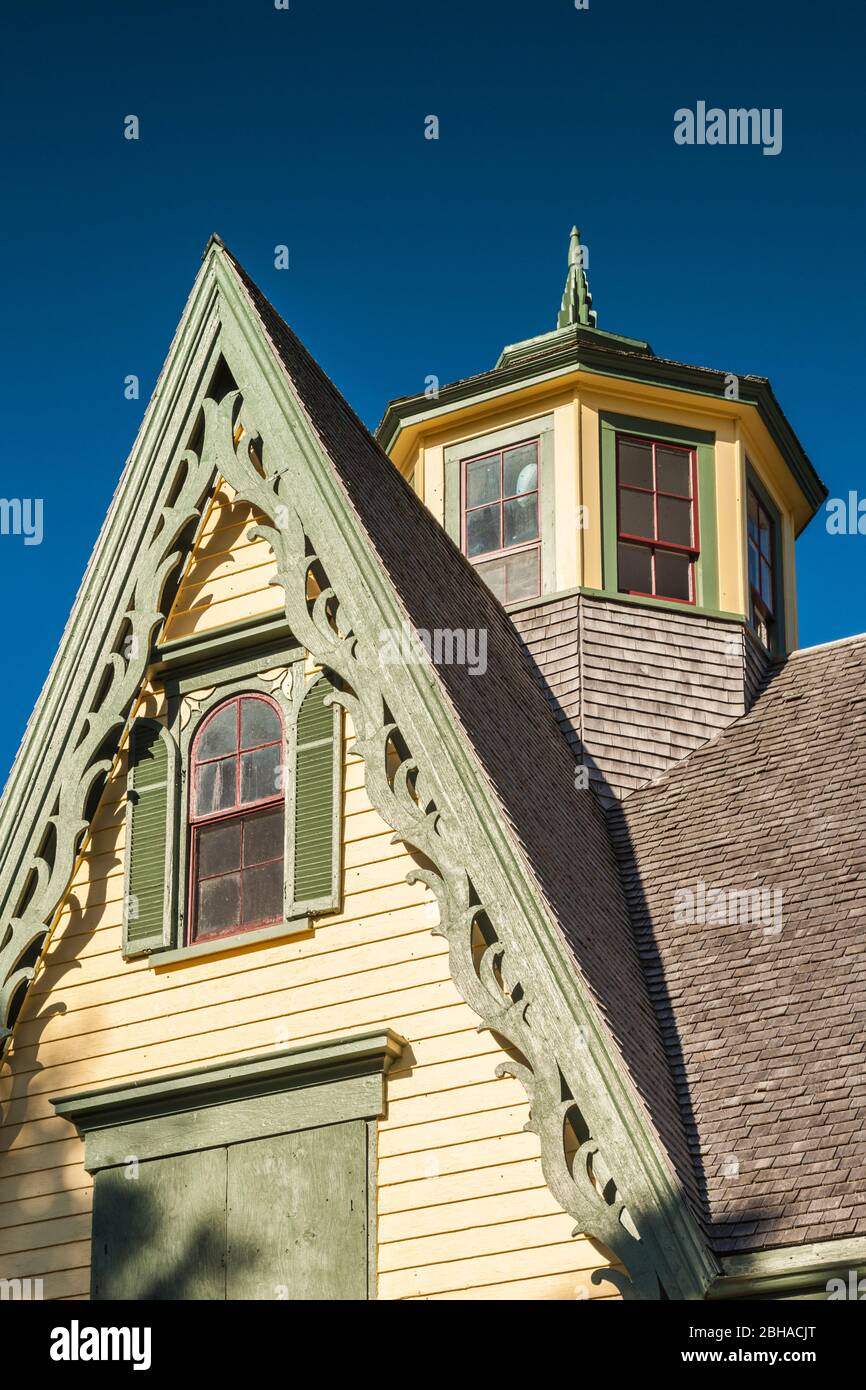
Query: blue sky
point(410, 256)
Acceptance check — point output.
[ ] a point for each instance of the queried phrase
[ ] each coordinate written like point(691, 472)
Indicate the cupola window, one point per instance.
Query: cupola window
point(501, 520)
point(657, 519)
point(762, 585)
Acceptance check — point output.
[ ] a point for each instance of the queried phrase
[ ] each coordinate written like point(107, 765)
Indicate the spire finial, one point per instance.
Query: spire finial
point(576, 306)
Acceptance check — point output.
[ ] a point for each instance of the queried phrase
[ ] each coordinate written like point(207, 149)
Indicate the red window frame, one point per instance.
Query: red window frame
point(242, 811)
point(651, 543)
point(502, 549)
point(765, 563)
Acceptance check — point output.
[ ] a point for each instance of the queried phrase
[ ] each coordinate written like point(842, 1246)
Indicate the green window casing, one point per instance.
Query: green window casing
point(157, 859)
point(706, 563)
point(150, 890)
point(538, 429)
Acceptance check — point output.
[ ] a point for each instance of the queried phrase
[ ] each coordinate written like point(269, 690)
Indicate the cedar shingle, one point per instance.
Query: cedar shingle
point(778, 800)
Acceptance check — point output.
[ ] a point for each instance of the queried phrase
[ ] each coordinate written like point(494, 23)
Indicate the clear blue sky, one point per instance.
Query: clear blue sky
point(409, 256)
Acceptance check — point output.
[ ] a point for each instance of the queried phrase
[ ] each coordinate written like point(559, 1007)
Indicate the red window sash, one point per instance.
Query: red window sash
point(240, 812)
point(763, 517)
point(652, 543)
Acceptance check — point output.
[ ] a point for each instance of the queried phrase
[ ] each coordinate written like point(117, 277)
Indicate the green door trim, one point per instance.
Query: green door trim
point(273, 1093)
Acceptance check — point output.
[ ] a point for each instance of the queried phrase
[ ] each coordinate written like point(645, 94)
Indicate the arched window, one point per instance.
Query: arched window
point(237, 808)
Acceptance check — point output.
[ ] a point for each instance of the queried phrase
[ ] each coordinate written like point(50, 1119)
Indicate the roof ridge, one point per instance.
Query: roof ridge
point(825, 646)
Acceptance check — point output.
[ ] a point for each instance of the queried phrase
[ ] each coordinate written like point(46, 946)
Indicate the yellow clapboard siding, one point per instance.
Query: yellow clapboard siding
point(463, 1208)
point(399, 1010)
point(67, 1153)
point(58, 1043)
point(428, 1053)
point(50, 1206)
point(99, 950)
point(52, 1081)
point(449, 1078)
point(117, 1067)
point(101, 984)
point(443, 1133)
point(477, 1271)
point(217, 589)
point(68, 1284)
point(568, 1286)
point(457, 1188)
point(500, 1207)
point(452, 1075)
point(238, 559)
point(464, 1100)
point(49, 1181)
point(464, 1161)
point(231, 610)
point(224, 538)
point(433, 1010)
point(115, 1004)
point(90, 934)
point(35, 1236)
point(45, 1260)
point(373, 849)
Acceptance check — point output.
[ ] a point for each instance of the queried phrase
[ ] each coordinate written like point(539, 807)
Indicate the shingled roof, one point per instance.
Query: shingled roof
point(763, 1020)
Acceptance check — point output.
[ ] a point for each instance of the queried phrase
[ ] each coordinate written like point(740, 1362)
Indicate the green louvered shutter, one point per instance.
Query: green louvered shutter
point(148, 908)
point(318, 766)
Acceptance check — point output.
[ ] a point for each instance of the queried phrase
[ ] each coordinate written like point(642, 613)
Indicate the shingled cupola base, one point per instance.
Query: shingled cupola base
point(635, 690)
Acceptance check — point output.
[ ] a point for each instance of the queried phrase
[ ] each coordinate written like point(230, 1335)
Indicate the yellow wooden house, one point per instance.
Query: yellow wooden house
point(341, 954)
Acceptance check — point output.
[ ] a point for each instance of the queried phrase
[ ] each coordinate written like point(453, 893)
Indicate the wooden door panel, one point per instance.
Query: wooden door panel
point(161, 1234)
point(296, 1215)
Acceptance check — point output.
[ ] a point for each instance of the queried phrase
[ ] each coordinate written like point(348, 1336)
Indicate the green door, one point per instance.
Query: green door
point(283, 1217)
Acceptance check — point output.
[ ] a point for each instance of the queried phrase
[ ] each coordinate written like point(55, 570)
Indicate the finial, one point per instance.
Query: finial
point(576, 307)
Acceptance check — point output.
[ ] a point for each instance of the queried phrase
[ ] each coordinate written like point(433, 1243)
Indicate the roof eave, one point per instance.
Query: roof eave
point(789, 1270)
point(585, 350)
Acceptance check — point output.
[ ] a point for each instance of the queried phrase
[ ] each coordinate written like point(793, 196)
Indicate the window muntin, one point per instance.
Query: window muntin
point(502, 519)
point(237, 819)
point(762, 581)
point(657, 519)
